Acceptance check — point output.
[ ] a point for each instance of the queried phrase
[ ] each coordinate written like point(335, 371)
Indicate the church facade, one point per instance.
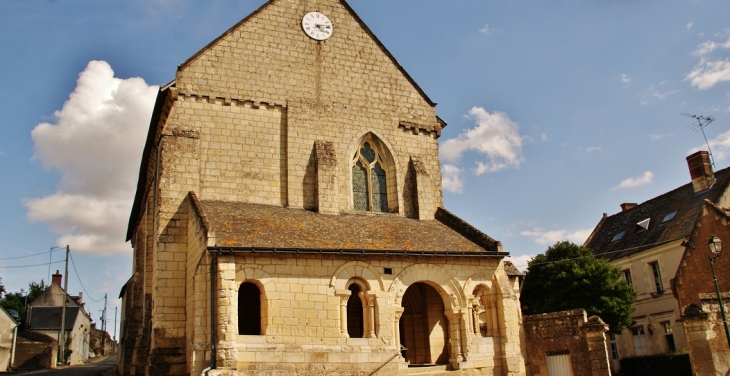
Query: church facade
point(289, 217)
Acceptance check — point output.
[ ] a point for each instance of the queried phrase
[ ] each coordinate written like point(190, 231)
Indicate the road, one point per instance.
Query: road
point(90, 369)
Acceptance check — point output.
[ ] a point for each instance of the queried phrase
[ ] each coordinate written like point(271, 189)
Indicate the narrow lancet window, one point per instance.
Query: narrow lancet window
point(355, 313)
point(369, 180)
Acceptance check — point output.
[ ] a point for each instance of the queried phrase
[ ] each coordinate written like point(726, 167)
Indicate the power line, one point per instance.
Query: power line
point(82, 284)
point(28, 266)
point(20, 257)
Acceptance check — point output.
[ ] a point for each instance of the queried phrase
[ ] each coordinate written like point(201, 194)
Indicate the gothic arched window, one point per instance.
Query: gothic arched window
point(249, 309)
point(369, 184)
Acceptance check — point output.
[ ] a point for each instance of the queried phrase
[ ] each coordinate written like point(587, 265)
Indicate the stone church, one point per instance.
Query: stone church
point(289, 217)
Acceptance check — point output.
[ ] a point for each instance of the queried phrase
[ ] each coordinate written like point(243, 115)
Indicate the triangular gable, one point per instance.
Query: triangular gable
point(351, 12)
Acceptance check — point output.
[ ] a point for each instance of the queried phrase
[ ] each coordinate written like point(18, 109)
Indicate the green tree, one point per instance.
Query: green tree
point(568, 276)
point(17, 300)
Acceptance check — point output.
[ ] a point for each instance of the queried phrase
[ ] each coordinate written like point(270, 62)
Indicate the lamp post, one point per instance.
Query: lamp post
point(715, 245)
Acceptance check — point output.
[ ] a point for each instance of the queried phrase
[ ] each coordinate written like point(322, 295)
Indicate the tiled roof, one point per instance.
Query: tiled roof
point(684, 200)
point(49, 318)
point(511, 269)
point(239, 225)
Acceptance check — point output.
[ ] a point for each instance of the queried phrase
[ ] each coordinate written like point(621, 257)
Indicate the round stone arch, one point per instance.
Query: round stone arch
point(391, 166)
point(433, 275)
point(266, 286)
point(478, 279)
point(360, 270)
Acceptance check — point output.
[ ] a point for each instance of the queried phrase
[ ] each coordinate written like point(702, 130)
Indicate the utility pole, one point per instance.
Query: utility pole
point(62, 334)
point(103, 327)
point(115, 323)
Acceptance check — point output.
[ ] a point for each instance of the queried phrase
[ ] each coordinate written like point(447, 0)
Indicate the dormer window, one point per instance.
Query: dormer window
point(670, 216)
point(618, 236)
point(642, 226)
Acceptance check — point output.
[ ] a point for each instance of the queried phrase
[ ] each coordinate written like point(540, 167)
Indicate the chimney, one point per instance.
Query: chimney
point(700, 170)
point(627, 205)
point(57, 278)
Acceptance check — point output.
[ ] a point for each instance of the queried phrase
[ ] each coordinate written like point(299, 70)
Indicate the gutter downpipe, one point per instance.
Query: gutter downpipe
point(213, 264)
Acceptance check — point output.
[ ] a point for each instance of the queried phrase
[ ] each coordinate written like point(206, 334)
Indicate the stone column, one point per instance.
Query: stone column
point(455, 325)
point(344, 295)
point(396, 325)
point(226, 302)
point(371, 315)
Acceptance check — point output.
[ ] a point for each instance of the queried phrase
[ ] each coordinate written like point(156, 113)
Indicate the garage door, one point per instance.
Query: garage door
point(558, 364)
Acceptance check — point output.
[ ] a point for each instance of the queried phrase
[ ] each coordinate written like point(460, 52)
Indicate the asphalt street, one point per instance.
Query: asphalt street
point(91, 369)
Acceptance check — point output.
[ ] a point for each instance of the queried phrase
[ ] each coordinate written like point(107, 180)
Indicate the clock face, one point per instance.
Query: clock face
point(317, 26)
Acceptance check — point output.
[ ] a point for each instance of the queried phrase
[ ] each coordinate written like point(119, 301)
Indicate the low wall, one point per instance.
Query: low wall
point(565, 339)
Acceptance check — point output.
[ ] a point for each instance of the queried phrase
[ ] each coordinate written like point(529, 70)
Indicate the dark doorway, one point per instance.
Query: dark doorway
point(424, 326)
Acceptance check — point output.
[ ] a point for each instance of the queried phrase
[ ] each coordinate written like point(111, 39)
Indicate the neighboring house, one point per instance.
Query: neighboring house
point(44, 316)
point(694, 287)
point(289, 216)
point(646, 241)
point(8, 339)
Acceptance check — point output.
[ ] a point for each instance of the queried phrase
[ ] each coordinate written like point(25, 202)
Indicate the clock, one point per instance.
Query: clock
point(317, 26)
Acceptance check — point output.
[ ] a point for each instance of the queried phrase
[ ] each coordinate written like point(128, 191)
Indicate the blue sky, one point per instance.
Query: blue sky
point(558, 112)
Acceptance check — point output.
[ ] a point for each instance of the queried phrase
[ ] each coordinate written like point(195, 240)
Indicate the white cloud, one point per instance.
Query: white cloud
point(540, 236)
point(591, 149)
point(654, 92)
point(495, 137)
point(625, 78)
point(708, 73)
point(646, 178)
point(485, 29)
point(690, 25)
point(714, 64)
point(719, 145)
point(95, 144)
point(451, 178)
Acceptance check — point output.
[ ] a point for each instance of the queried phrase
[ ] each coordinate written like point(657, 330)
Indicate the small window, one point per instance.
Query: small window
point(642, 226)
point(657, 277)
point(669, 336)
point(669, 216)
point(249, 309)
point(614, 347)
point(618, 236)
point(627, 276)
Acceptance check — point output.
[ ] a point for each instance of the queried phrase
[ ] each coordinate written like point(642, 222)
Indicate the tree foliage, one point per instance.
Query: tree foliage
point(568, 276)
point(17, 300)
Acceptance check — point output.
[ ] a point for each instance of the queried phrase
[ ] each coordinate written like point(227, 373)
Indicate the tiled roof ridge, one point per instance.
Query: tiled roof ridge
point(468, 231)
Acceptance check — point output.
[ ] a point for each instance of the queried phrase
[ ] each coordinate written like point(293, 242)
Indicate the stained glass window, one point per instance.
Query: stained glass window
point(369, 183)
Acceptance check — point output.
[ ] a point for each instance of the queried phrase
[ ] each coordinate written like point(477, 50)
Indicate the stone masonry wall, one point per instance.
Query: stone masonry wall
point(335, 91)
point(302, 299)
point(566, 333)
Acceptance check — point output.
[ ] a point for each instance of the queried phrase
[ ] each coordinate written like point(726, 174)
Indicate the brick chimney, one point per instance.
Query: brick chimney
point(627, 205)
point(700, 170)
point(57, 278)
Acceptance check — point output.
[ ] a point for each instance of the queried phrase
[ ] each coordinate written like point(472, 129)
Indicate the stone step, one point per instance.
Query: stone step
point(433, 370)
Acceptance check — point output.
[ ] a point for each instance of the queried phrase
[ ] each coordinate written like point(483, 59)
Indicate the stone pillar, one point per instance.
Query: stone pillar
point(424, 202)
point(344, 295)
point(226, 307)
point(396, 326)
point(456, 357)
point(595, 334)
point(697, 332)
point(370, 299)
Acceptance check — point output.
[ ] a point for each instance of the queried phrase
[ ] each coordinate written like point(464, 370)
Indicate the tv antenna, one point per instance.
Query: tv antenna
point(702, 122)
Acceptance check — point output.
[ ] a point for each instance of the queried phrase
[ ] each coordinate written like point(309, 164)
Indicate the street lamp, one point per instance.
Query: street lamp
point(715, 245)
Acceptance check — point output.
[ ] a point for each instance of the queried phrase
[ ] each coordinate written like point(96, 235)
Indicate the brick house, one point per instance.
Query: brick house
point(289, 216)
point(694, 288)
point(647, 242)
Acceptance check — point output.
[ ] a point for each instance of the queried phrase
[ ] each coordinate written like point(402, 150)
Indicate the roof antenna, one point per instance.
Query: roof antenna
point(702, 122)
